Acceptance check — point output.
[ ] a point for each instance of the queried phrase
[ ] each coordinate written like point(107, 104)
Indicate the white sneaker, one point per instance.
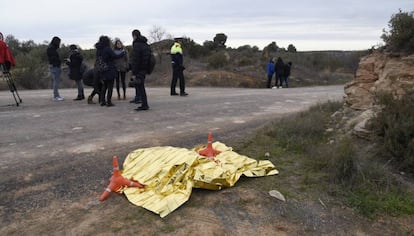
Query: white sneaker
point(273, 87)
point(58, 99)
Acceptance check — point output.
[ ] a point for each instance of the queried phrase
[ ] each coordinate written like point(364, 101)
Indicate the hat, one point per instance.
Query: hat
point(178, 39)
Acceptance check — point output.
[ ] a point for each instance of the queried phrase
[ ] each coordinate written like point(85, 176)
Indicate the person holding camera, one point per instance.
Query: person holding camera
point(6, 57)
point(75, 62)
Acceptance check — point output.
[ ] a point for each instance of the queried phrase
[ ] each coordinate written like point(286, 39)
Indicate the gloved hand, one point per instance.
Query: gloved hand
point(136, 79)
point(131, 83)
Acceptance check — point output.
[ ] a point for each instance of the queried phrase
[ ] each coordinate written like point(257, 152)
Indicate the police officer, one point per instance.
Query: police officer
point(177, 67)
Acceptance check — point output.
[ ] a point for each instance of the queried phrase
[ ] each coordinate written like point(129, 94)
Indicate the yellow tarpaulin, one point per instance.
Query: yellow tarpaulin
point(170, 173)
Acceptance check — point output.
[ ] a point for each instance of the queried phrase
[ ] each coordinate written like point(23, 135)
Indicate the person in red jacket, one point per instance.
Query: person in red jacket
point(6, 62)
point(6, 57)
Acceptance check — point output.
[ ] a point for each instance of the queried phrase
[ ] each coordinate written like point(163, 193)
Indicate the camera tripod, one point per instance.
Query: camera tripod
point(12, 86)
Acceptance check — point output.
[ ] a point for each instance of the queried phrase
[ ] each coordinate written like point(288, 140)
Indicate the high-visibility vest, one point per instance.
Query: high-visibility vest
point(176, 48)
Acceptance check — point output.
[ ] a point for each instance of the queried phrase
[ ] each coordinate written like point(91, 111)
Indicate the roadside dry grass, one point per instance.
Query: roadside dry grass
point(314, 157)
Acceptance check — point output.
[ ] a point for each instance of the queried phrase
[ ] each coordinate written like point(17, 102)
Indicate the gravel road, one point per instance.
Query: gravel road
point(56, 155)
point(40, 128)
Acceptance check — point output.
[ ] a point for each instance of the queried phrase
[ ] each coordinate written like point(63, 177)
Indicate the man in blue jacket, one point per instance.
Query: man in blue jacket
point(270, 69)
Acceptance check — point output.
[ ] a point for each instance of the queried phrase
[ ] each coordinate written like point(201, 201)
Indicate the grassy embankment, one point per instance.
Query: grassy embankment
point(314, 159)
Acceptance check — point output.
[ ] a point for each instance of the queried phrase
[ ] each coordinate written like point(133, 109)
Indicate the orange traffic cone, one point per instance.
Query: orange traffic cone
point(118, 182)
point(209, 151)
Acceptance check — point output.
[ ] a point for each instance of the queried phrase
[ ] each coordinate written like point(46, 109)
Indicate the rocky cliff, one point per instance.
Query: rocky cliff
point(377, 73)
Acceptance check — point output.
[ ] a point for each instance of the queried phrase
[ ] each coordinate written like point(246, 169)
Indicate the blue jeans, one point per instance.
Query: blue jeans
point(279, 80)
point(55, 71)
point(137, 95)
point(79, 84)
point(286, 81)
point(269, 80)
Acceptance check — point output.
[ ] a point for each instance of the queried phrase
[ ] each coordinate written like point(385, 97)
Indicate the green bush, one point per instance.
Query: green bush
point(400, 37)
point(342, 166)
point(395, 126)
point(194, 50)
point(217, 60)
point(245, 61)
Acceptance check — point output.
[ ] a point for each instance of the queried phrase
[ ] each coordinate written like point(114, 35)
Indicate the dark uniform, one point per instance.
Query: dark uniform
point(178, 69)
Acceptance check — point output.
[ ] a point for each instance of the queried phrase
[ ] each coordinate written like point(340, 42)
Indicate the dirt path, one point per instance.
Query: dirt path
point(55, 160)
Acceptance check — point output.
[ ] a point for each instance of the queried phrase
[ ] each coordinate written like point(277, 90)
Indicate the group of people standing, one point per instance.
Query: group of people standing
point(116, 61)
point(281, 71)
point(111, 65)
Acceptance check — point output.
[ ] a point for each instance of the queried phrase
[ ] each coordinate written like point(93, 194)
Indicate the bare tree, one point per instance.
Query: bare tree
point(156, 34)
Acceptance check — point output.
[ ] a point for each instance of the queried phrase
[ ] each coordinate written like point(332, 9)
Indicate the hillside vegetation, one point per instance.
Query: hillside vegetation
point(205, 66)
point(214, 64)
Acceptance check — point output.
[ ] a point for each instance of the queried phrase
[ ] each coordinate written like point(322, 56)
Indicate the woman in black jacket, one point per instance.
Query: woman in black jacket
point(279, 71)
point(107, 55)
point(75, 62)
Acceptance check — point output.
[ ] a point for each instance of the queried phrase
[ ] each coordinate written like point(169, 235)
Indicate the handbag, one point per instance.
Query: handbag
point(100, 65)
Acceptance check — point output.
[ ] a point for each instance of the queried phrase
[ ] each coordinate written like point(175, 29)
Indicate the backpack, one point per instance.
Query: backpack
point(83, 68)
point(151, 62)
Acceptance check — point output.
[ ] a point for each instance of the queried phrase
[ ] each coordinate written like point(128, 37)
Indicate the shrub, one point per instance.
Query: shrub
point(217, 60)
point(342, 166)
point(245, 61)
point(30, 72)
point(395, 126)
point(400, 38)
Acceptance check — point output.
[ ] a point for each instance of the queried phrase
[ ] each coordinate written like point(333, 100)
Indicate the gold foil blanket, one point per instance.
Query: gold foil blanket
point(171, 173)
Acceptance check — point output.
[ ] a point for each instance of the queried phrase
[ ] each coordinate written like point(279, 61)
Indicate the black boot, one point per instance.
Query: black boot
point(79, 97)
point(90, 100)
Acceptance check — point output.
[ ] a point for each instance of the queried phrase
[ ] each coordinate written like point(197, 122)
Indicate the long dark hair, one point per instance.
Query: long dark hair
point(136, 33)
point(104, 41)
point(55, 41)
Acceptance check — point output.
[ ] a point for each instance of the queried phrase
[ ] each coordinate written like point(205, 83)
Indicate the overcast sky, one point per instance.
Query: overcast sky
point(307, 24)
